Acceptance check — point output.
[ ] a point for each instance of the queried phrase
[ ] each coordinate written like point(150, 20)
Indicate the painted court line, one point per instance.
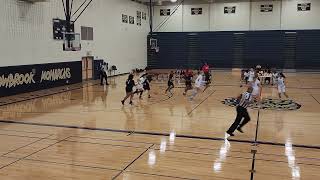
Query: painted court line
point(201, 102)
point(104, 144)
point(71, 164)
point(40, 139)
point(315, 98)
point(132, 162)
point(252, 171)
point(32, 153)
point(158, 134)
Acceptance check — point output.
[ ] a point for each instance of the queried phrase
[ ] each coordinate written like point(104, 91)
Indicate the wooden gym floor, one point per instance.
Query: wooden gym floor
point(83, 132)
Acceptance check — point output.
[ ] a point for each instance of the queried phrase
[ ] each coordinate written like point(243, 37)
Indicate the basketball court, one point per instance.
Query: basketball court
point(79, 129)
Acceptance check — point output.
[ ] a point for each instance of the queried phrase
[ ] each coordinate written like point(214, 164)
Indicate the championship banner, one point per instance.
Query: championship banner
point(266, 8)
point(196, 11)
point(138, 18)
point(144, 16)
point(304, 7)
point(22, 79)
point(124, 18)
point(131, 20)
point(230, 10)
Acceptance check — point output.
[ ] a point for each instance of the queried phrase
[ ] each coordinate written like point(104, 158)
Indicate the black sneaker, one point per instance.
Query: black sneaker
point(240, 130)
point(122, 102)
point(131, 103)
point(149, 96)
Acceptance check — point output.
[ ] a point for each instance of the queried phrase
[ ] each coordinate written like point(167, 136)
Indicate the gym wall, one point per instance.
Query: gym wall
point(247, 16)
point(237, 49)
point(27, 38)
point(284, 38)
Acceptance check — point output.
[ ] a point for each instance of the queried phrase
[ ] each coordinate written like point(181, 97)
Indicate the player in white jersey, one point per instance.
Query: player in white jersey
point(256, 87)
point(139, 87)
point(281, 85)
point(199, 83)
point(245, 100)
point(251, 75)
point(104, 73)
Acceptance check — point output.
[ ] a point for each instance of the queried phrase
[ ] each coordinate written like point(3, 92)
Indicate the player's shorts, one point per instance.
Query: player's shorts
point(170, 83)
point(146, 86)
point(281, 89)
point(255, 92)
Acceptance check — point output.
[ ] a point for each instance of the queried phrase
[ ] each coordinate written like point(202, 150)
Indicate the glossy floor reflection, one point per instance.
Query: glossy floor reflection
point(86, 133)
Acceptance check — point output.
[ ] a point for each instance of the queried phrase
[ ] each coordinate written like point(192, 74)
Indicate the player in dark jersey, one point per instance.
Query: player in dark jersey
point(207, 74)
point(170, 83)
point(245, 100)
point(188, 81)
point(129, 89)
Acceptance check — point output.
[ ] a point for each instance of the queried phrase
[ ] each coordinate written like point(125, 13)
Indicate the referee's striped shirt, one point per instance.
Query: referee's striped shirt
point(245, 100)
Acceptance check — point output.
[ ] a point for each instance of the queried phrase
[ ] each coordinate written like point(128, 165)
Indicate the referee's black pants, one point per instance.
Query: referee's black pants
point(103, 75)
point(241, 113)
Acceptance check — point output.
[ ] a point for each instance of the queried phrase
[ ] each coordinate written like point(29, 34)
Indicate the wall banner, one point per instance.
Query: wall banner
point(266, 8)
point(27, 78)
point(230, 10)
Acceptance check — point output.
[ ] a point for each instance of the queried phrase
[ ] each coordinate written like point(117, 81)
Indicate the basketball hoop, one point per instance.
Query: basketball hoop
point(71, 42)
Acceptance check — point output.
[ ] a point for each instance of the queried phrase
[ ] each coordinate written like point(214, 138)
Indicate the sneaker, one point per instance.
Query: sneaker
point(122, 102)
point(131, 103)
point(230, 134)
point(149, 96)
point(240, 130)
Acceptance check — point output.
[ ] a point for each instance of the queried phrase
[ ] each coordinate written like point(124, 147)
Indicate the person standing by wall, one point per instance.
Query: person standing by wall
point(104, 73)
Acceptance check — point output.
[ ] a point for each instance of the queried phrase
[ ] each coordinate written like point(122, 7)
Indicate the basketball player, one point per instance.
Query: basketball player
point(188, 80)
point(170, 83)
point(275, 76)
point(256, 86)
point(103, 73)
point(139, 87)
point(246, 76)
point(198, 85)
point(282, 85)
point(268, 76)
point(129, 89)
point(244, 101)
point(251, 75)
point(145, 80)
point(206, 72)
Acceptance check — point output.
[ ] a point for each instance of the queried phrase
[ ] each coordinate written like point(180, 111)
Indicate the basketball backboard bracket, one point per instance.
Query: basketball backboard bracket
point(71, 40)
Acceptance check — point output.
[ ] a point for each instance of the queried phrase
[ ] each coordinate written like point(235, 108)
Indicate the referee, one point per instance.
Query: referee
point(104, 73)
point(245, 101)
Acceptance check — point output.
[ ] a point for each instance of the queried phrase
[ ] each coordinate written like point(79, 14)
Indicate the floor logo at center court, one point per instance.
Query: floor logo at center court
point(267, 103)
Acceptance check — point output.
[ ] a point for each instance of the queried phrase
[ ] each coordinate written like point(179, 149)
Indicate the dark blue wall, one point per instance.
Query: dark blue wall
point(241, 49)
point(27, 78)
